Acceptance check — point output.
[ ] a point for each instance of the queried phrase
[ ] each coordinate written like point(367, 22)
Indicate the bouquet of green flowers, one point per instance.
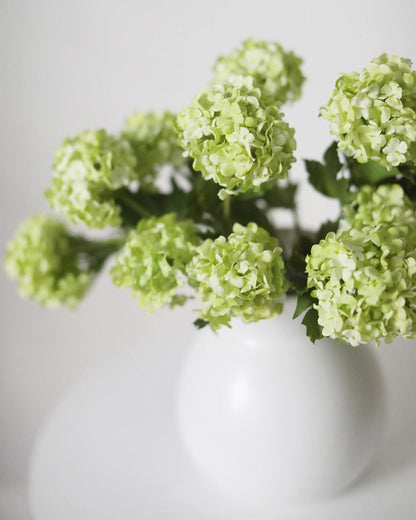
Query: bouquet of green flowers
point(190, 198)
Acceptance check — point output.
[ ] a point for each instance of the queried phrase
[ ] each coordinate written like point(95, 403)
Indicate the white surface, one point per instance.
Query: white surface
point(68, 66)
point(271, 419)
point(99, 459)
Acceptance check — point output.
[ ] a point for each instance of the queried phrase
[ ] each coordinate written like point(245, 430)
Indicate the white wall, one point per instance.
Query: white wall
point(67, 66)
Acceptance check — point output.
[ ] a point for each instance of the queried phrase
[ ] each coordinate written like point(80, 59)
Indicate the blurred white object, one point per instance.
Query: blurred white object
point(271, 418)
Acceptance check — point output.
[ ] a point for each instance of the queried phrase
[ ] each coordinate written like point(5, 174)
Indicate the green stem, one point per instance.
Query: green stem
point(227, 208)
point(95, 253)
point(82, 245)
point(128, 200)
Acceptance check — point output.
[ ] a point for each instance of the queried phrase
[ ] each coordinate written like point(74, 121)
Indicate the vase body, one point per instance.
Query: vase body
point(271, 418)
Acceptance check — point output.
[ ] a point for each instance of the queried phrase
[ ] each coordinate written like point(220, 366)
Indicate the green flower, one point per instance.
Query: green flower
point(234, 140)
point(42, 260)
point(154, 142)
point(364, 276)
point(373, 114)
point(239, 276)
point(275, 72)
point(88, 169)
point(153, 261)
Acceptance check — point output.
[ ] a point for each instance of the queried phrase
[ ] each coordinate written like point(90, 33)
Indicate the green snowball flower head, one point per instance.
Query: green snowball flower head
point(239, 276)
point(152, 262)
point(364, 276)
point(88, 169)
point(154, 142)
point(373, 114)
point(275, 72)
point(42, 260)
point(234, 139)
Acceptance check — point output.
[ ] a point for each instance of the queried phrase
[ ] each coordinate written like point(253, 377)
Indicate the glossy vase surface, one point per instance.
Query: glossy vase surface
point(271, 418)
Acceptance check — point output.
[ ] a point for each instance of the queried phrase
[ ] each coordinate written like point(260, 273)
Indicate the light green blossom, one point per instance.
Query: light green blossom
point(152, 263)
point(239, 276)
point(88, 169)
point(234, 140)
point(154, 142)
point(41, 258)
point(373, 114)
point(364, 276)
point(275, 72)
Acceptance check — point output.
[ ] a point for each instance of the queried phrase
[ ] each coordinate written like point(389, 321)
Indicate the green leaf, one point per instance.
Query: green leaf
point(295, 272)
point(244, 211)
point(313, 329)
point(200, 323)
point(304, 301)
point(205, 194)
point(326, 227)
point(326, 182)
point(331, 159)
point(323, 176)
point(410, 178)
point(370, 173)
point(281, 196)
point(408, 170)
point(178, 202)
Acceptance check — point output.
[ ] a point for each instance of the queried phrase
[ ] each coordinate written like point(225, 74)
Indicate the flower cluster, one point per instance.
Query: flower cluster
point(152, 262)
point(233, 143)
point(234, 139)
point(364, 276)
point(41, 258)
point(373, 114)
point(154, 142)
point(239, 276)
point(88, 169)
point(275, 72)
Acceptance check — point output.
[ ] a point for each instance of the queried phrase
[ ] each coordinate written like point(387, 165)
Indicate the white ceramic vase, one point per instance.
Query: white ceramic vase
point(271, 418)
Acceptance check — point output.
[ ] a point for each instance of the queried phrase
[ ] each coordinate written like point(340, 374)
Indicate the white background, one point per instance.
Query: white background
point(69, 66)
